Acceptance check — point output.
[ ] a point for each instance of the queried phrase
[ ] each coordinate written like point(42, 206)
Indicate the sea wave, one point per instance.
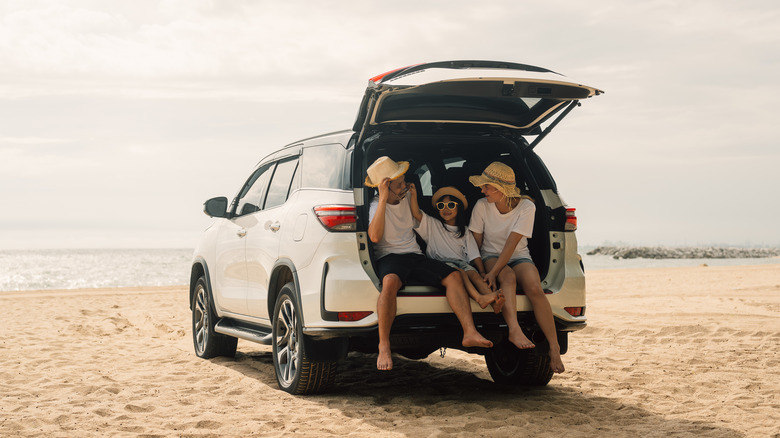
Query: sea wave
point(665, 252)
point(96, 268)
point(92, 268)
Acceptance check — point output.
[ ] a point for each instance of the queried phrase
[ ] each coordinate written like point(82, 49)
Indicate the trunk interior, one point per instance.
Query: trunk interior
point(448, 160)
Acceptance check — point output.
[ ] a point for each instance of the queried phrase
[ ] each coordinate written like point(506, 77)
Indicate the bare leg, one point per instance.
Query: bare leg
point(459, 302)
point(385, 311)
point(528, 279)
point(495, 299)
point(482, 298)
point(506, 278)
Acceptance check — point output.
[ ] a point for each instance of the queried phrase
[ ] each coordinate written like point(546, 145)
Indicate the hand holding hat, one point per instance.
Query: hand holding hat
point(385, 167)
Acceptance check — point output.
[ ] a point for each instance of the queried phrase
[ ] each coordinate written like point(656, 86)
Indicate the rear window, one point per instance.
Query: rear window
point(323, 167)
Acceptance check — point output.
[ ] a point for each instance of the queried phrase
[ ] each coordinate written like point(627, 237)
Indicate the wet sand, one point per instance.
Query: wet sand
point(687, 352)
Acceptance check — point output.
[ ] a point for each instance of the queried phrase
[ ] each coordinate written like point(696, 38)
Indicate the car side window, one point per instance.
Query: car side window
point(251, 197)
point(322, 166)
point(424, 175)
point(457, 162)
point(280, 183)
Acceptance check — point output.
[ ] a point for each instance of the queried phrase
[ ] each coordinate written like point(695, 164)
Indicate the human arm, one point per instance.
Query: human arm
point(472, 253)
point(478, 239)
point(503, 258)
point(415, 207)
point(477, 262)
point(376, 228)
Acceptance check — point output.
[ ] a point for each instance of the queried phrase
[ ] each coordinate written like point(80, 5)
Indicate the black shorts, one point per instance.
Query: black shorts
point(406, 266)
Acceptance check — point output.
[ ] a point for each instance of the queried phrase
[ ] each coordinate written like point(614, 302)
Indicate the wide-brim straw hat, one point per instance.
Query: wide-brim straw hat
point(385, 167)
point(451, 192)
point(500, 176)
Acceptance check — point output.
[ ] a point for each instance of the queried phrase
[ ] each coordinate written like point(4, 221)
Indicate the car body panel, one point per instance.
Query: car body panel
point(262, 250)
point(230, 273)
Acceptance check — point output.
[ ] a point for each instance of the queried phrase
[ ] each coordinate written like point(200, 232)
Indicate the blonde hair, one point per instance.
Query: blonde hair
point(509, 199)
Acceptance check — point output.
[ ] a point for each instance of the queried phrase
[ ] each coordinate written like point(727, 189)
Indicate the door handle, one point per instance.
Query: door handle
point(275, 227)
point(241, 232)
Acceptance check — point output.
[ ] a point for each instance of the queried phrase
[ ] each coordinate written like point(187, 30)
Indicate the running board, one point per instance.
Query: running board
point(253, 334)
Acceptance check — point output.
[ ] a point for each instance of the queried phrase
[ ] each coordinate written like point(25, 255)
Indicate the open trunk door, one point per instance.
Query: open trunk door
point(515, 96)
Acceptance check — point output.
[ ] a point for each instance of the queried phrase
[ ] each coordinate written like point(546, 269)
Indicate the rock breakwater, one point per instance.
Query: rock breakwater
point(664, 252)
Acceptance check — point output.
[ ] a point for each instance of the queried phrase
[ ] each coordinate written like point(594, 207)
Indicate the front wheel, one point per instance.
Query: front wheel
point(295, 373)
point(208, 343)
point(509, 365)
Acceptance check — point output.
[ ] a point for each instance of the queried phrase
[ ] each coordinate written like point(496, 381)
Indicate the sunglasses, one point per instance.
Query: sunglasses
point(449, 205)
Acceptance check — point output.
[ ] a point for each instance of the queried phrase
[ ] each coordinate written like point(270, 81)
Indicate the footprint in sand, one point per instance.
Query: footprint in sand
point(136, 408)
point(120, 322)
point(208, 424)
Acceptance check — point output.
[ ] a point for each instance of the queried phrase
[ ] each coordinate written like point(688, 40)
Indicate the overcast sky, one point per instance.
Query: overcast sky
point(118, 119)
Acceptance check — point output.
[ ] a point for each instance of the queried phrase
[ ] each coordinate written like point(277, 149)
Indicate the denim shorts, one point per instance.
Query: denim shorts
point(459, 264)
point(511, 263)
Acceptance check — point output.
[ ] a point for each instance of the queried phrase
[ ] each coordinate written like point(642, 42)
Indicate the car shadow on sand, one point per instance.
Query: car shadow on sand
point(421, 398)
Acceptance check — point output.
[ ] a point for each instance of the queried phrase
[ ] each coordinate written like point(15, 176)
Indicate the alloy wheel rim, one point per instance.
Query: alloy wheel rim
point(201, 320)
point(287, 343)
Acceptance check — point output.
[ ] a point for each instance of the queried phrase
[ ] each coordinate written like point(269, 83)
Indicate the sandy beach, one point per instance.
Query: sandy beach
point(685, 352)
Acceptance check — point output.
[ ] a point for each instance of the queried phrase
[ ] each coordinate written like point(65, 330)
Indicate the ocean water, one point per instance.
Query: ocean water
point(95, 268)
point(597, 262)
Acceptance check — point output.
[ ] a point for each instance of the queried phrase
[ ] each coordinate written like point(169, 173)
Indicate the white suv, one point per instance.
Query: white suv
point(288, 262)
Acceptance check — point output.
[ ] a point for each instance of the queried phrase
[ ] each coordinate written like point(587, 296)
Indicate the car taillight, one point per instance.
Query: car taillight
point(353, 316)
point(336, 217)
point(571, 219)
point(575, 311)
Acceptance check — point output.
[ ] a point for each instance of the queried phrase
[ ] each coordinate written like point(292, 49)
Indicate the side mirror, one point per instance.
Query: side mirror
point(216, 207)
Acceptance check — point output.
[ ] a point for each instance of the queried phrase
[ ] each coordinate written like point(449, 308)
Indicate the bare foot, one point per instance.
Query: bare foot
point(476, 340)
point(487, 299)
point(498, 305)
point(384, 362)
point(556, 363)
point(518, 338)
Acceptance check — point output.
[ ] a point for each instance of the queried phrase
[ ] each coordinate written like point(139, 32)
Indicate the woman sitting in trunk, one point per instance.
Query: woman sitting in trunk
point(501, 223)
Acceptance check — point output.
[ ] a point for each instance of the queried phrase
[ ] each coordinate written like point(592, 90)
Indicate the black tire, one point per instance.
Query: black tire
point(206, 341)
point(509, 365)
point(295, 373)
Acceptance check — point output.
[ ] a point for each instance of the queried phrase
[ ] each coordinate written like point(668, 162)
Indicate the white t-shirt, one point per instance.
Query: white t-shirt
point(445, 245)
point(496, 227)
point(398, 237)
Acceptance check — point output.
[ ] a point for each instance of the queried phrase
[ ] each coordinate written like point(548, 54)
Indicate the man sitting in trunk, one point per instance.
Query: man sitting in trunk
point(399, 258)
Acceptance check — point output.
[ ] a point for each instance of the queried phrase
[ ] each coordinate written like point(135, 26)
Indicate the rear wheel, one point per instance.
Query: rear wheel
point(295, 373)
point(509, 365)
point(208, 343)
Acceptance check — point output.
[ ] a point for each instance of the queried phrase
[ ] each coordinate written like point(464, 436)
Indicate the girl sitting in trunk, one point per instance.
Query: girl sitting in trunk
point(450, 241)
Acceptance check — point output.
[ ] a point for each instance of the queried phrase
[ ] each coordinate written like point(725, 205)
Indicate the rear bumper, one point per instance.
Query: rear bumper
point(433, 325)
point(429, 332)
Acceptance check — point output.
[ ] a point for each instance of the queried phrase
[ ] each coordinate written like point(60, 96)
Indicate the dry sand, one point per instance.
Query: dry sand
point(681, 352)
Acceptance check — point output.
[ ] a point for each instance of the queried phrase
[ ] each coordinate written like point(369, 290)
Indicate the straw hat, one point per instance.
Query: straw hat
point(385, 167)
point(451, 192)
point(500, 176)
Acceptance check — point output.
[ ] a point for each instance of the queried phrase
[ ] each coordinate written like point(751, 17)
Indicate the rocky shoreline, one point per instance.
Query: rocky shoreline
point(664, 252)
